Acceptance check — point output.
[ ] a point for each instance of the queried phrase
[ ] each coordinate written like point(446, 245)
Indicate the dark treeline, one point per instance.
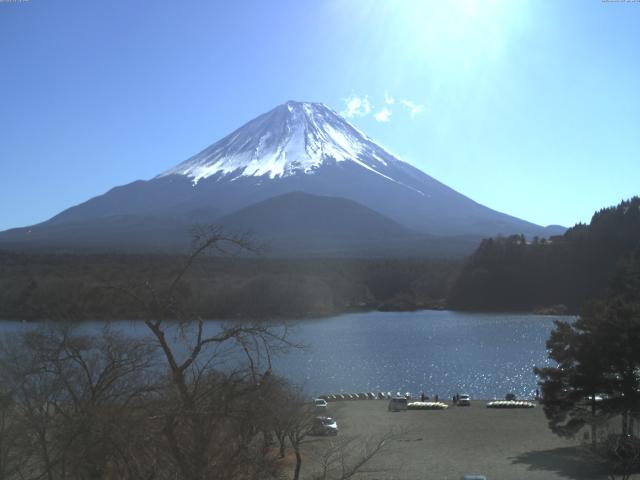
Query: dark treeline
point(37, 286)
point(510, 273)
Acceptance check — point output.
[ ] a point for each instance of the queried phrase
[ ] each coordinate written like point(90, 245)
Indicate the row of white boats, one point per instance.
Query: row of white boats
point(511, 404)
point(338, 397)
point(419, 405)
point(427, 406)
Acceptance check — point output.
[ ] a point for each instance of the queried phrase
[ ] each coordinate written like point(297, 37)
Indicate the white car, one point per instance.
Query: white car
point(397, 404)
point(324, 426)
point(464, 400)
point(320, 404)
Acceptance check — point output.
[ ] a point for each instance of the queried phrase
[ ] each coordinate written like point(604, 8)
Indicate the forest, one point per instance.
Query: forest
point(553, 275)
point(81, 287)
point(513, 273)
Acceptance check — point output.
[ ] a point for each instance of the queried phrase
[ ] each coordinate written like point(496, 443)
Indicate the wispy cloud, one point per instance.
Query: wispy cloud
point(388, 99)
point(356, 106)
point(384, 115)
point(414, 109)
point(361, 106)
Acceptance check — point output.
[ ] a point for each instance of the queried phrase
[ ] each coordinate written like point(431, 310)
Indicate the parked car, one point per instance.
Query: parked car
point(464, 400)
point(397, 404)
point(599, 397)
point(324, 426)
point(320, 404)
point(474, 477)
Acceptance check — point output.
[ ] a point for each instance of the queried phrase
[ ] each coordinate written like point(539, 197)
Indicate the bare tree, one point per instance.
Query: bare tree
point(343, 458)
point(276, 402)
point(212, 372)
point(73, 399)
point(192, 400)
point(336, 458)
point(300, 423)
point(11, 460)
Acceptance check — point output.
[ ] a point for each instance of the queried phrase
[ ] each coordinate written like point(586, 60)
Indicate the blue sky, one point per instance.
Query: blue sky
point(531, 108)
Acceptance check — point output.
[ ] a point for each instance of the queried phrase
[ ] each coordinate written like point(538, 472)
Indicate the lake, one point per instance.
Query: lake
point(437, 352)
point(443, 352)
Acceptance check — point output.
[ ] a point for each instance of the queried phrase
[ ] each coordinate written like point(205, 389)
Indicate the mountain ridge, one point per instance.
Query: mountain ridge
point(295, 147)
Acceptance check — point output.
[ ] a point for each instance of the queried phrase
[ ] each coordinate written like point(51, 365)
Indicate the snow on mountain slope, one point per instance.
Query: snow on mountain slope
point(293, 138)
point(295, 147)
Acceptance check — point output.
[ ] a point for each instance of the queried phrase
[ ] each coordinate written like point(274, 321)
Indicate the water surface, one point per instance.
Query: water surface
point(437, 352)
point(443, 352)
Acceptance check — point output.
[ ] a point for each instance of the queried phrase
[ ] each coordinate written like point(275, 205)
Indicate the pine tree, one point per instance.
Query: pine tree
point(598, 357)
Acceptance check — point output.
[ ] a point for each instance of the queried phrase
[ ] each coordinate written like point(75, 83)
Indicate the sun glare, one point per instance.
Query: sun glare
point(447, 38)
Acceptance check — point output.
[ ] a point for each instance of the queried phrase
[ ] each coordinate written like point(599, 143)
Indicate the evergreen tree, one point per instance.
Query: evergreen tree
point(598, 357)
point(506, 273)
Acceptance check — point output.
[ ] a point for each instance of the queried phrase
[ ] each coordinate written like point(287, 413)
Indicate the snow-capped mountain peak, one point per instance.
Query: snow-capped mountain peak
point(314, 181)
point(293, 138)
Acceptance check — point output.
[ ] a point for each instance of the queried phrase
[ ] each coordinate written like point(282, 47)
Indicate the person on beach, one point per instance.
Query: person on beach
point(422, 397)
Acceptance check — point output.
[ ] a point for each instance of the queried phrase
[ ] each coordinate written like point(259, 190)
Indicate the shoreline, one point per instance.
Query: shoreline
point(319, 316)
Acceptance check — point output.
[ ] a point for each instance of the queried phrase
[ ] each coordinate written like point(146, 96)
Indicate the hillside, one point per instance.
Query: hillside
point(510, 273)
point(298, 224)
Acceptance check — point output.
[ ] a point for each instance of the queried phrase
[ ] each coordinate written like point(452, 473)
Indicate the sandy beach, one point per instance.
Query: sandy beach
point(447, 444)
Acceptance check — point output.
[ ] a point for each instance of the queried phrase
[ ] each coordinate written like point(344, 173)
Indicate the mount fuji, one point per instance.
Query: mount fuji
point(261, 177)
